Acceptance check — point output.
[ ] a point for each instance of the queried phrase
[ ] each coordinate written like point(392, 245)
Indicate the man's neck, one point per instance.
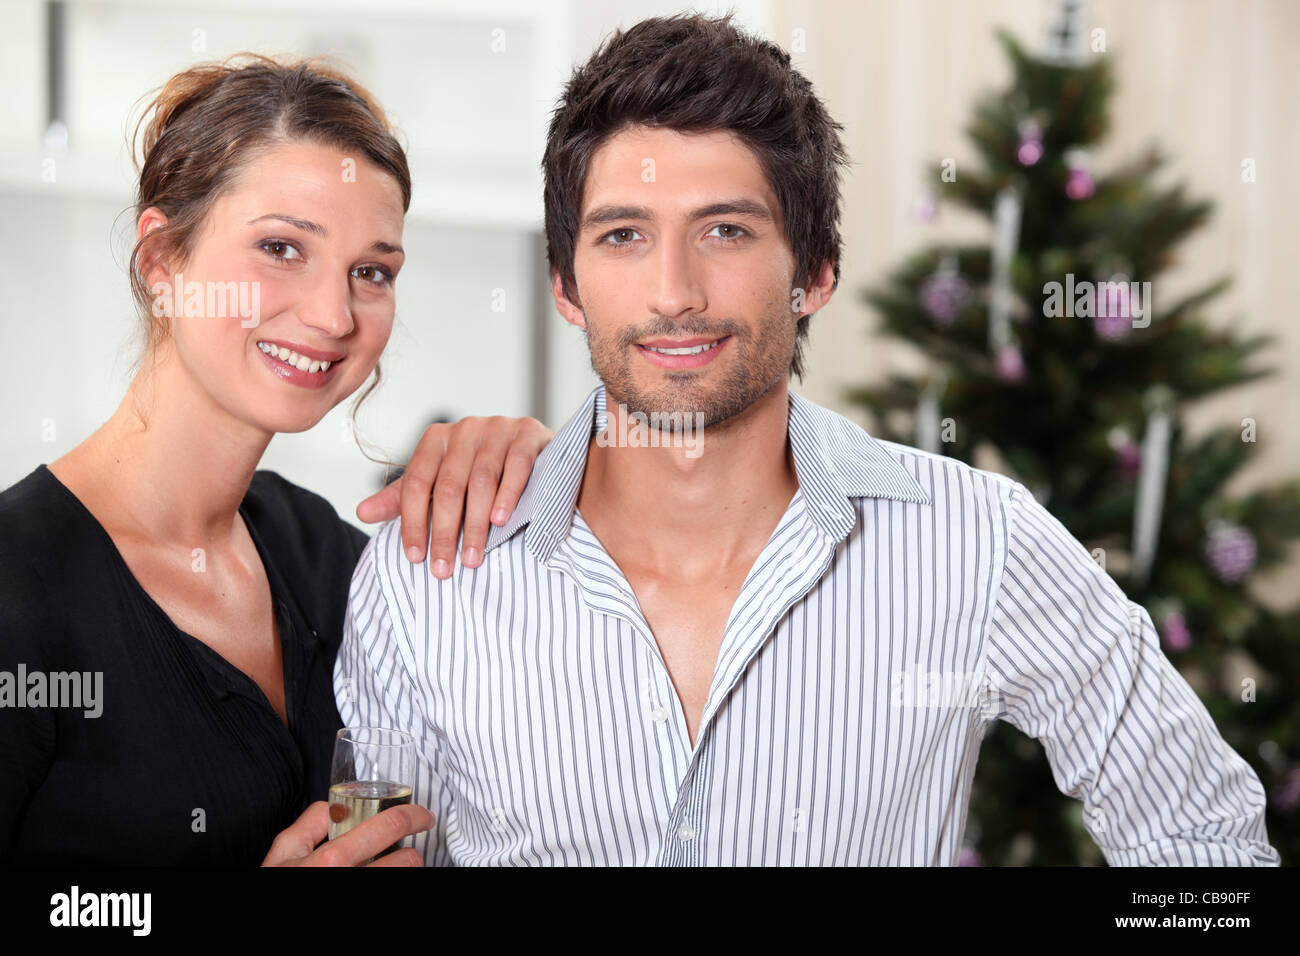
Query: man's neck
point(686, 511)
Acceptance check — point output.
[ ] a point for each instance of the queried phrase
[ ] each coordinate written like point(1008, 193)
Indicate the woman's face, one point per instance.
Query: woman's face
point(287, 299)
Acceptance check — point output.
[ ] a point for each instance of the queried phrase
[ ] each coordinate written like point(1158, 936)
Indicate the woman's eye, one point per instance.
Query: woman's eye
point(621, 237)
point(373, 274)
point(727, 230)
point(279, 249)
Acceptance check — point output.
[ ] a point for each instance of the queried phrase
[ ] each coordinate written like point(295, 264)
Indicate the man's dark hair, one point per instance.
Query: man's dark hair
point(697, 74)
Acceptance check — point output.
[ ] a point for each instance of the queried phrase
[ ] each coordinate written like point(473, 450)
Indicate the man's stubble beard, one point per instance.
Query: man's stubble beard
point(759, 364)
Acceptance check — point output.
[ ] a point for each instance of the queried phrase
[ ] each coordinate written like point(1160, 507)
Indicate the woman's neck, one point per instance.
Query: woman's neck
point(174, 461)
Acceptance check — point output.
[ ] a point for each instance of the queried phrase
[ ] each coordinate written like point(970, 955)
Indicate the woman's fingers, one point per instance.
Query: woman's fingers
point(475, 470)
point(382, 505)
point(300, 843)
point(486, 475)
point(417, 484)
point(529, 440)
point(372, 837)
point(297, 841)
point(403, 857)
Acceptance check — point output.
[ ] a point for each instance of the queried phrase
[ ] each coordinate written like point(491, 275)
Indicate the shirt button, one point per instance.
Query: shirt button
point(685, 832)
point(659, 715)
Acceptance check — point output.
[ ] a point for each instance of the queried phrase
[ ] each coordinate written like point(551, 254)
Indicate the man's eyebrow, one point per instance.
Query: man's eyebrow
point(318, 230)
point(728, 207)
point(602, 214)
point(734, 207)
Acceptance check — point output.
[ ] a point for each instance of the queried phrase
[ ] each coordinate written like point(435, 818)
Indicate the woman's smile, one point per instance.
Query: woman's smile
point(304, 368)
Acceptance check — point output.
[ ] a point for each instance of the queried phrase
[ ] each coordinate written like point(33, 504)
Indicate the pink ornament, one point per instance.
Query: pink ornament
point(1129, 458)
point(1079, 184)
point(1128, 454)
point(1230, 551)
point(943, 294)
point(1010, 364)
point(1287, 795)
point(1113, 317)
point(1112, 327)
point(1030, 149)
point(1175, 633)
point(924, 209)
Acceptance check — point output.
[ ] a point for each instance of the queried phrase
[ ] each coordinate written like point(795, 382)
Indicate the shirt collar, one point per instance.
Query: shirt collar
point(835, 461)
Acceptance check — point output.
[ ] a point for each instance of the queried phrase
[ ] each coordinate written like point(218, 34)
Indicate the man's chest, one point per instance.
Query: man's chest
point(563, 716)
point(688, 620)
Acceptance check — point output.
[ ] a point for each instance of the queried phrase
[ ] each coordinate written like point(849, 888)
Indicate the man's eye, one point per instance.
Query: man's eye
point(727, 230)
point(621, 237)
point(279, 249)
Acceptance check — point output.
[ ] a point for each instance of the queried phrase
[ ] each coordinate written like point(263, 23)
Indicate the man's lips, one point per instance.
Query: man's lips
point(680, 343)
point(682, 353)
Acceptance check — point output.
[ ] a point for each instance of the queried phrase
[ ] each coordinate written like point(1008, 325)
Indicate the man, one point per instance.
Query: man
point(721, 647)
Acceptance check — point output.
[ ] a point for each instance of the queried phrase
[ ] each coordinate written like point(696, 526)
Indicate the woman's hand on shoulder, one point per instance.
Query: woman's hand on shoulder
point(478, 468)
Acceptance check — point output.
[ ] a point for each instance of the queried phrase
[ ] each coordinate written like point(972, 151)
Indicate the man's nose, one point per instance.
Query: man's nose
point(678, 287)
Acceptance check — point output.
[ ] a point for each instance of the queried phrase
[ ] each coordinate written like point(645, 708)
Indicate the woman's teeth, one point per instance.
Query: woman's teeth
point(693, 350)
point(301, 362)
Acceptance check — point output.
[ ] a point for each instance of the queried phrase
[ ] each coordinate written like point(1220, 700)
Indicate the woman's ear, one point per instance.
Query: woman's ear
point(152, 261)
point(571, 310)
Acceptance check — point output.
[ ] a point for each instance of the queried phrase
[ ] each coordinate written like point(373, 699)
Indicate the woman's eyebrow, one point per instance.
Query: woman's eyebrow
point(316, 229)
point(302, 224)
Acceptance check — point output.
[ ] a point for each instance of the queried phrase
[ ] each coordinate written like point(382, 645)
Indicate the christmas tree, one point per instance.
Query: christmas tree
point(1054, 348)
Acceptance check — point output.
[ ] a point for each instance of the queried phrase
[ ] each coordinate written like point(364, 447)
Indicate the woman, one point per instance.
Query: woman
point(201, 601)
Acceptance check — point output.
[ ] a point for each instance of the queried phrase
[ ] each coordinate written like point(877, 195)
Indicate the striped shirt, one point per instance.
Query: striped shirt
point(904, 601)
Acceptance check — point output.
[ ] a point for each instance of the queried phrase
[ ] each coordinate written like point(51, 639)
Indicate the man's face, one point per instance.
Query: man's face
point(683, 274)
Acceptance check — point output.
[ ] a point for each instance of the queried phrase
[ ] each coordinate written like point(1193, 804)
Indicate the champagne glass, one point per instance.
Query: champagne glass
point(372, 771)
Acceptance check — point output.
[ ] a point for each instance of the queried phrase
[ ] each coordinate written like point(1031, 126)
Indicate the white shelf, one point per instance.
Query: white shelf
point(474, 117)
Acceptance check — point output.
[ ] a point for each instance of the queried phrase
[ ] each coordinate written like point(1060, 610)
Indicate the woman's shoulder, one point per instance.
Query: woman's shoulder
point(36, 520)
point(36, 512)
point(314, 550)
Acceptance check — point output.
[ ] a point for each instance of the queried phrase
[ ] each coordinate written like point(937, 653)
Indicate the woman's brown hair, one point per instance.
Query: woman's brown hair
point(208, 123)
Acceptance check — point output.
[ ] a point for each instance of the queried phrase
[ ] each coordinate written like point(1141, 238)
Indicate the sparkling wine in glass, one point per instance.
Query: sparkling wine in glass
point(372, 771)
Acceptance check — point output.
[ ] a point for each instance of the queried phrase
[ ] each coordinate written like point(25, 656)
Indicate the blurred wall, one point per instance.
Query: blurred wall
point(1211, 81)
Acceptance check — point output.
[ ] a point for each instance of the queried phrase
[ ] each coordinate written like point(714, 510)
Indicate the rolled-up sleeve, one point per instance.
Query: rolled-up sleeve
point(1076, 665)
point(373, 681)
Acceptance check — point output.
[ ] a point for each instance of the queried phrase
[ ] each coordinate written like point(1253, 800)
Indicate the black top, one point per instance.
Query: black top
point(187, 762)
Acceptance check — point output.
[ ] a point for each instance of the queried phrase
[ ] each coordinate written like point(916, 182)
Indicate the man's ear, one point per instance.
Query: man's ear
point(152, 264)
point(571, 311)
point(819, 290)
